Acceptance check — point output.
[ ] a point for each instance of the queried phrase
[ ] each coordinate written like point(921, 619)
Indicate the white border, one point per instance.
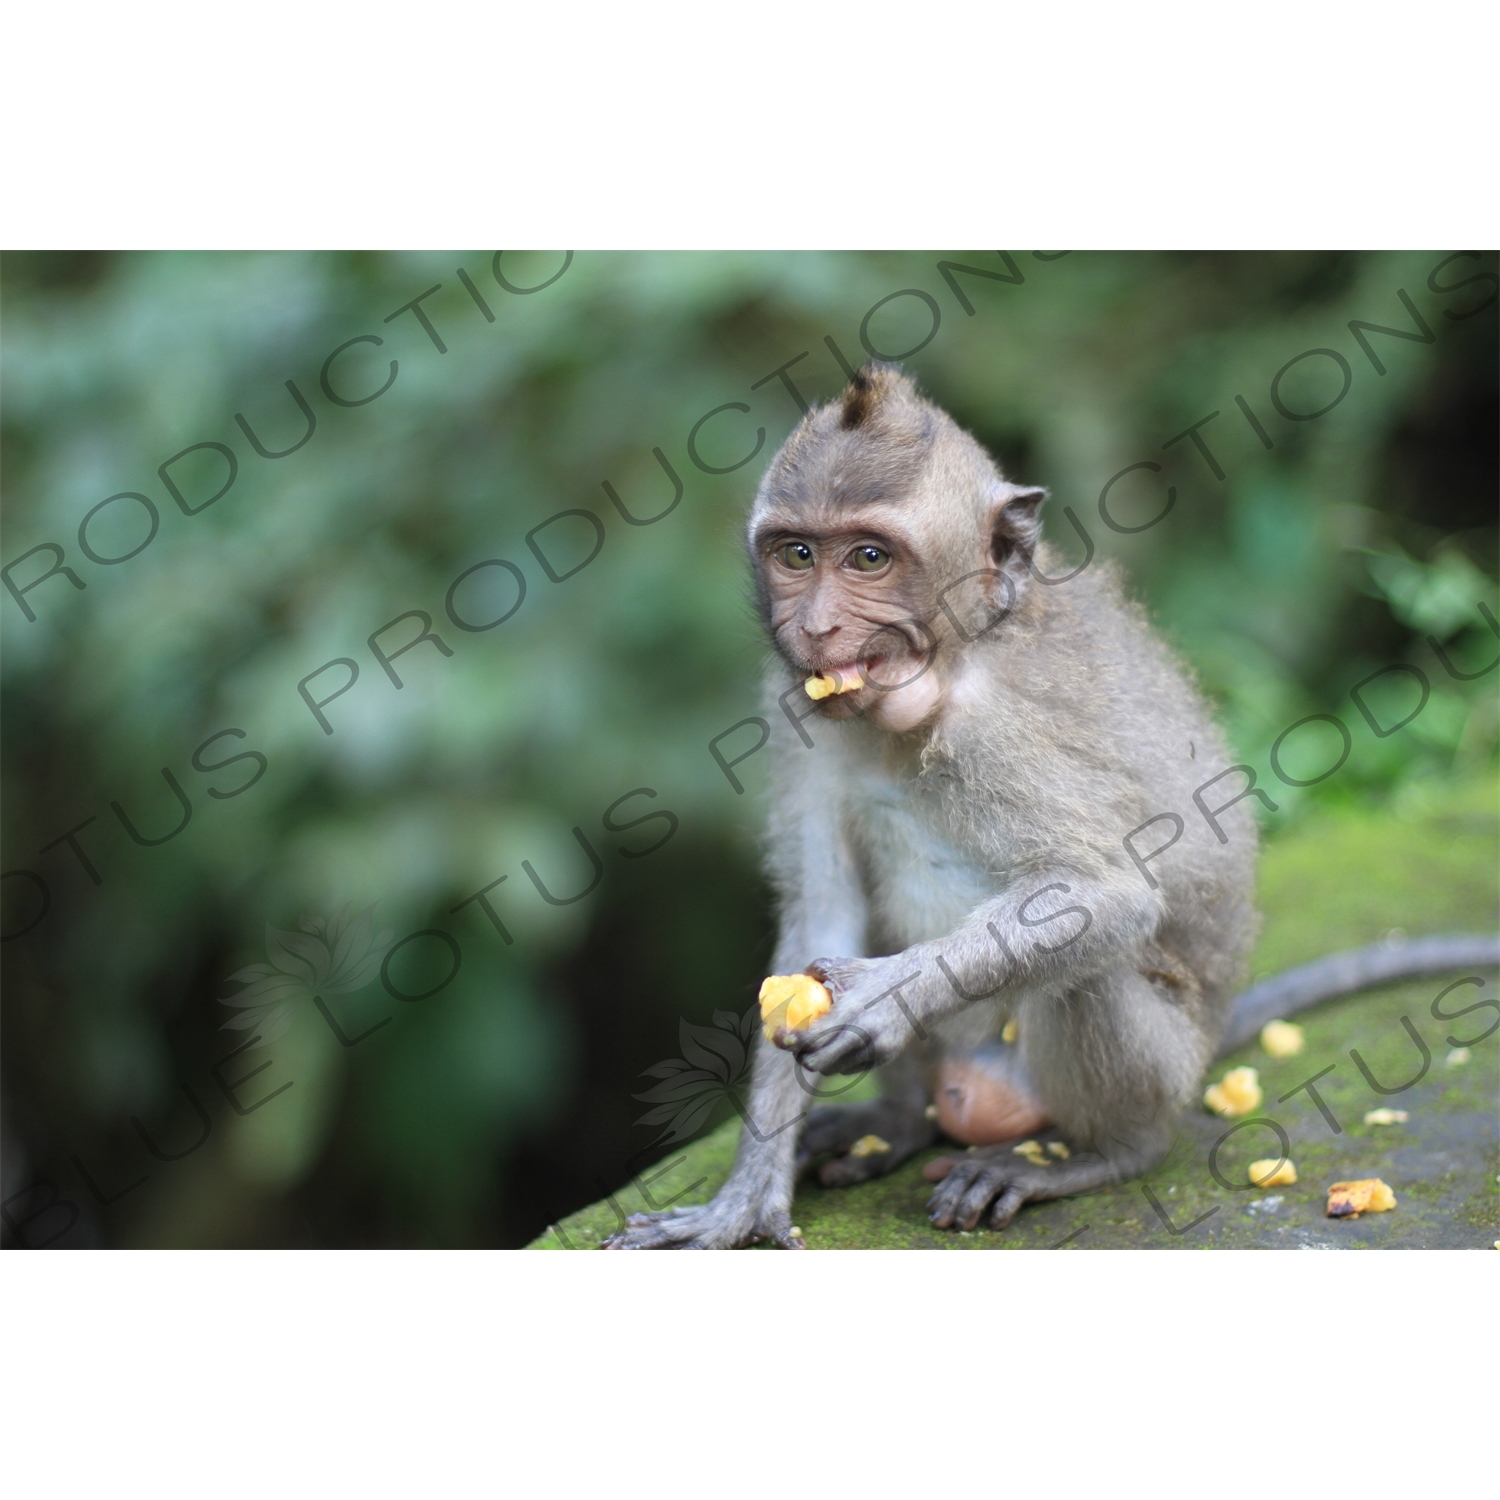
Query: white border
point(793, 123)
point(405, 1373)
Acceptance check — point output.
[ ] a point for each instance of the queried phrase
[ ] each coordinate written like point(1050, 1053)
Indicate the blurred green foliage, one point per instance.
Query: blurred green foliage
point(504, 1101)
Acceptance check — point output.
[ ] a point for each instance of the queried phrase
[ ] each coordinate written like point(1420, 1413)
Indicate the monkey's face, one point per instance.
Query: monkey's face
point(848, 596)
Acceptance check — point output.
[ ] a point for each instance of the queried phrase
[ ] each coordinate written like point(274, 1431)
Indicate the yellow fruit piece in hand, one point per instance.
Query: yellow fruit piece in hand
point(1273, 1172)
point(869, 1145)
point(1237, 1094)
point(1386, 1117)
point(829, 684)
point(1369, 1195)
point(1032, 1151)
point(1282, 1039)
point(1011, 1032)
point(792, 1000)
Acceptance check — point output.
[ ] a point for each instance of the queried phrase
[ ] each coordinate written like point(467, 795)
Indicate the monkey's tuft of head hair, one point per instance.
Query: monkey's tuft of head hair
point(870, 444)
point(871, 384)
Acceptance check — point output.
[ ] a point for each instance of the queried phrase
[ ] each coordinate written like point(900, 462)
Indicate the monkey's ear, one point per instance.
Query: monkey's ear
point(1013, 523)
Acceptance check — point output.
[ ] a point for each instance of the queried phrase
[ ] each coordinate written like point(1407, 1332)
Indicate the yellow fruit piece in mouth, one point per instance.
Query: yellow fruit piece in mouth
point(827, 684)
point(792, 1000)
point(1236, 1094)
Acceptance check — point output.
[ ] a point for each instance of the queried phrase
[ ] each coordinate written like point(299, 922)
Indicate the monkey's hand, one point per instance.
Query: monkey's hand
point(727, 1223)
point(1000, 1181)
point(756, 1200)
point(871, 1022)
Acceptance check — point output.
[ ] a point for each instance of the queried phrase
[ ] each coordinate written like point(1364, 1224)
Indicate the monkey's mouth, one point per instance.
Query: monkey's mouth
point(845, 679)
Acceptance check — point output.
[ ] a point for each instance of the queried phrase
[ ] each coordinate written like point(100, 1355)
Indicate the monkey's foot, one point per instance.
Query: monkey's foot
point(1000, 1181)
point(856, 1134)
point(718, 1225)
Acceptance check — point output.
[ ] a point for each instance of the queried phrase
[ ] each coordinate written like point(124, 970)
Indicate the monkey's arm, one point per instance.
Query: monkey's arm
point(755, 1202)
point(1048, 929)
point(1112, 1057)
point(823, 911)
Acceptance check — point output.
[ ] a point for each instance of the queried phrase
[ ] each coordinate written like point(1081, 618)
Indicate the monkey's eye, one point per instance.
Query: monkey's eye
point(870, 559)
point(797, 556)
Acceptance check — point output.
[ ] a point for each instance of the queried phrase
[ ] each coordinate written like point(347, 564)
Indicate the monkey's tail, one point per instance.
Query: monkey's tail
point(1348, 973)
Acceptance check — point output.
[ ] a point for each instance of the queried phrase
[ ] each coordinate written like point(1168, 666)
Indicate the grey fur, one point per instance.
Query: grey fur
point(1358, 969)
point(922, 868)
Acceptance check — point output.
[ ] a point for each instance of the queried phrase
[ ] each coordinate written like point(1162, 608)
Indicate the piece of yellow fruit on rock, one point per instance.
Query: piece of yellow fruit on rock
point(1386, 1117)
point(1273, 1172)
point(792, 1000)
point(1282, 1039)
point(1237, 1094)
point(869, 1145)
point(828, 684)
point(1369, 1195)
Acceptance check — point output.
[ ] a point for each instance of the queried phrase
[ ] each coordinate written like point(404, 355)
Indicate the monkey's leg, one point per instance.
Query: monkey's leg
point(898, 1118)
point(1115, 1059)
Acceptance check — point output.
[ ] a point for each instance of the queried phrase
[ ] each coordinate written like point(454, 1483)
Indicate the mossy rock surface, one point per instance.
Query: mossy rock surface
point(1345, 879)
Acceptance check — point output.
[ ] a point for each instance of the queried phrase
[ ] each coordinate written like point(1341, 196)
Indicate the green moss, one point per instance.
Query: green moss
point(1346, 878)
point(1481, 1209)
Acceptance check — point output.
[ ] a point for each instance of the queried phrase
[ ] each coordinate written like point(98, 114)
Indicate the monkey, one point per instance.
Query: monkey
point(950, 841)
